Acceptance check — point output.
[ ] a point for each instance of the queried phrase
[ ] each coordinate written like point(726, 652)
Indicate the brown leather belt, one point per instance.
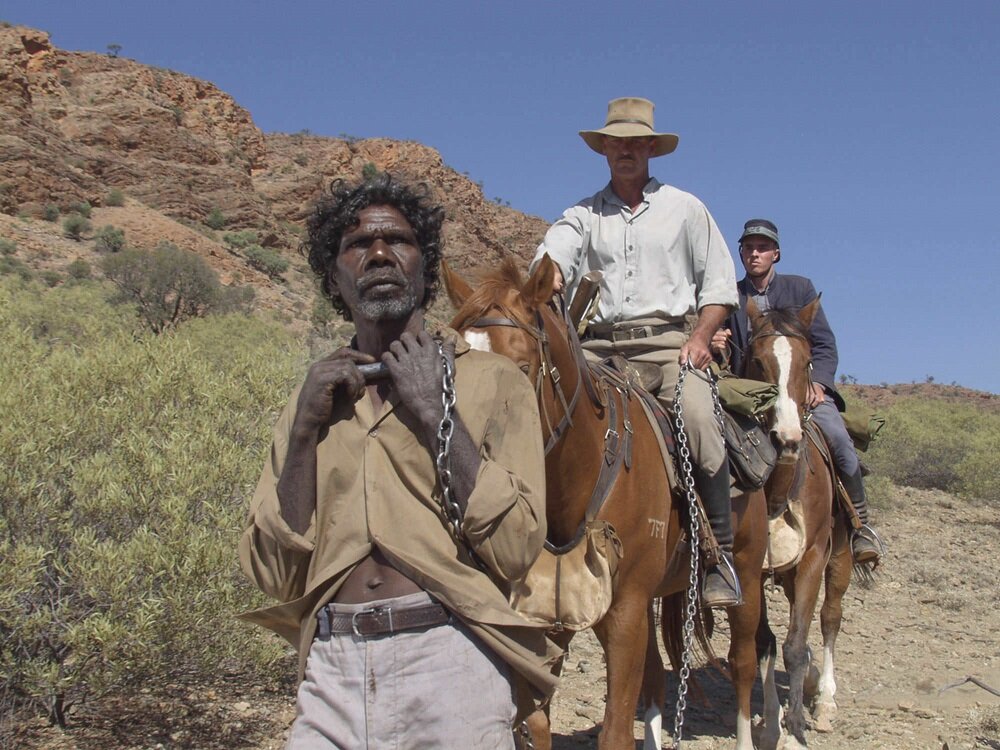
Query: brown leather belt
point(630, 334)
point(380, 620)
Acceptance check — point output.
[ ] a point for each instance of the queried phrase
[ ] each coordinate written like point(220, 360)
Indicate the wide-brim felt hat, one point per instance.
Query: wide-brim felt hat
point(630, 117)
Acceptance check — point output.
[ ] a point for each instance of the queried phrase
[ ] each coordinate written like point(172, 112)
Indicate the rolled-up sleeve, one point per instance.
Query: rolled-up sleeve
point(564, 242)
point(505, 518)
point(715, 273)
point(273, 556)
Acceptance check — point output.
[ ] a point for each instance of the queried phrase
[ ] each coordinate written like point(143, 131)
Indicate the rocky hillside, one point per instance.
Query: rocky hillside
point(75, 126)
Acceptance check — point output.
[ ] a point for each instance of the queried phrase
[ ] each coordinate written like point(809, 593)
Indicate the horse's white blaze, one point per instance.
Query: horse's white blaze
point(478, 341)
point(827, 683)
point(786, 424)
point(653, 720)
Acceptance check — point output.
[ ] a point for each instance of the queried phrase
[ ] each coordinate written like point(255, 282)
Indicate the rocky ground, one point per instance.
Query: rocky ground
point(930, 622)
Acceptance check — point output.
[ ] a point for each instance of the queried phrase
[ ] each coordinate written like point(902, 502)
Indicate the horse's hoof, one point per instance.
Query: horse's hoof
point(823, 716)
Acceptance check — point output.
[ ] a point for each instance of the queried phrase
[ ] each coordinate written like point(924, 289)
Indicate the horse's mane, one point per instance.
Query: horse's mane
point(494, 284)
point(786, 322)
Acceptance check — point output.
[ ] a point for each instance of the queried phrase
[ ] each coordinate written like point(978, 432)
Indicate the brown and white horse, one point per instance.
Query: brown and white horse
point(780, 352)
point(514, 317)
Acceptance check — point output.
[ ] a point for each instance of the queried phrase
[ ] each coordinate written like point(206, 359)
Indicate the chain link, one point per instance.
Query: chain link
point(445, 431)
point(692, 592)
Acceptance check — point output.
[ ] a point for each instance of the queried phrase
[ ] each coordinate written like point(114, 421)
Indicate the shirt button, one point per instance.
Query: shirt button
point(628, 299)
point(629, 247)
point(373, 432)
point(629, 273)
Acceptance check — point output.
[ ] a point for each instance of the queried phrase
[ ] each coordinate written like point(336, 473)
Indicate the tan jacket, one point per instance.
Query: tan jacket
point(377, 485)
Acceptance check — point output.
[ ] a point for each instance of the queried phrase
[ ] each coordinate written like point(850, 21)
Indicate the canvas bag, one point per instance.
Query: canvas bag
point(752, 455)
point(863, 424)
point(572, 590)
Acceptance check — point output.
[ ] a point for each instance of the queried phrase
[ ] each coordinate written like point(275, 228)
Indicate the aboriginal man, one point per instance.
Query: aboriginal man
point(396, 599)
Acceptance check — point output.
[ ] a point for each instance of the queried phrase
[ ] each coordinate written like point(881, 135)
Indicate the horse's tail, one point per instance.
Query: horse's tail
point(673, 609)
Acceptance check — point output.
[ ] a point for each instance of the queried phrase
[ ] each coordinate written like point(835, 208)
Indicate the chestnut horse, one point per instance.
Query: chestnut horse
point(515, 318)
point(780, 352)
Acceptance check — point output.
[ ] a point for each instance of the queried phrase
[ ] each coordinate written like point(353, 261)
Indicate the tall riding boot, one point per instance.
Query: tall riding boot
point(721, 587)
point(866, 544)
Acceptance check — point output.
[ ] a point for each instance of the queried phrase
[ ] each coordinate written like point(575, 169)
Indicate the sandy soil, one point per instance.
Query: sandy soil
point(930, 621)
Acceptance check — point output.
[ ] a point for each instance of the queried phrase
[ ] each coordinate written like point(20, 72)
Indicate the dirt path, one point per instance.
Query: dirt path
point(930, 621)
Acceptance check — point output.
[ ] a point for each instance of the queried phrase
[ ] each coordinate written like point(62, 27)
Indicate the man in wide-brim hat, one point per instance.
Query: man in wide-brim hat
point(669, 283)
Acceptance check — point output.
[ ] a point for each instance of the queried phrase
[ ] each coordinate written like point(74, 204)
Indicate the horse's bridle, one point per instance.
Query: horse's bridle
point(546, 370)
point(806, 414)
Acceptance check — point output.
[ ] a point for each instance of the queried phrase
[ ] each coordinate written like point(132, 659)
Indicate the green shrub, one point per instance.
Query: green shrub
point(75, 226)
point(240, 240)
point(267, 260)
point(115, 197)
point(109, 240)
point(128, 465)
point(938, 444)
point(12, 266)
point(369, 171)
point(50, 278)
point(79, 269)
point(215, 219)
point(167, 285)
point(51, 212)
point(7, 247)
point(83, 209)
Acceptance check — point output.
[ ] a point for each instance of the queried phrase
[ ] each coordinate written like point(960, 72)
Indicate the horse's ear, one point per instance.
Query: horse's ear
point(538, 290)
point(808, 313)
point(753, 314)
point(458, 288)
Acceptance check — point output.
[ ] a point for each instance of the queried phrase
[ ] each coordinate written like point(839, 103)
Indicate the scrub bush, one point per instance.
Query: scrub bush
point(129, 460)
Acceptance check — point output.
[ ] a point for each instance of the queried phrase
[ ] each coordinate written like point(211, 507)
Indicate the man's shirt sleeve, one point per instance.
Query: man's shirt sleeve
point(715, 274)
point(564, 242)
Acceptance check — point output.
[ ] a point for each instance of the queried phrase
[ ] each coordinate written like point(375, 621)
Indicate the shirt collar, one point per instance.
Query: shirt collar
point(610, 196)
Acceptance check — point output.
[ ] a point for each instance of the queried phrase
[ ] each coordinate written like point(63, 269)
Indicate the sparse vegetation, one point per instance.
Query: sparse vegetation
point(109, 240)
point(241, 239)
point(167, 285)
point(7, 247)
point(83, 208)
point(115, 197)
point(51, 212)
point(215, 219)
point(369, 171)
point(267, 260)
point(50, 278)
point(114, 50)
point(79, 269)
point(75, 226)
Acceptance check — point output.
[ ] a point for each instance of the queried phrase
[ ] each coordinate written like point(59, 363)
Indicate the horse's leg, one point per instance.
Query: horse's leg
point(838, 578)
point(623, 634)
point(795, 651)
point(654, 687)
point(750, 523)
point(767, 656)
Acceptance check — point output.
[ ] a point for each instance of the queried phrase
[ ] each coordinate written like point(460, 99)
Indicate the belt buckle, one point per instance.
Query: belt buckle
point(375, 612)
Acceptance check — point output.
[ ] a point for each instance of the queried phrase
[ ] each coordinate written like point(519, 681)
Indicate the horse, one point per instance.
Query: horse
point(515, 317)
point(780, 352)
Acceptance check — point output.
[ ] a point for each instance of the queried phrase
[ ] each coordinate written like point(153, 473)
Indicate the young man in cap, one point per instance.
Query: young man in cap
point(759, 251)
point(668, 284)
point(395, 596)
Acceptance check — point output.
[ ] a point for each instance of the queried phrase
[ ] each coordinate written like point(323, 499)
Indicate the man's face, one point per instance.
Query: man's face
point(628, 158)
point(758, 254)
point(380, 270)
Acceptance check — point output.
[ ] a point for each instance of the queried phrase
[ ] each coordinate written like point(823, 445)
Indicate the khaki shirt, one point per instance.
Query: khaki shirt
point(377, 486)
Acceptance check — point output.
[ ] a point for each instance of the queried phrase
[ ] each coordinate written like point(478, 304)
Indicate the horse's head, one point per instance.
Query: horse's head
point(780, 352)
point(506, 314)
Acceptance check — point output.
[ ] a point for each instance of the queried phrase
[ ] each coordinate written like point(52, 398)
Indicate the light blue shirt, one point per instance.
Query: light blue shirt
point(665, 260)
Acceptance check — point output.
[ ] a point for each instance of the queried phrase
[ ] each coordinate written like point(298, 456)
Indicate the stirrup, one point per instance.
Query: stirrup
point(867, 547)
point(726, 573)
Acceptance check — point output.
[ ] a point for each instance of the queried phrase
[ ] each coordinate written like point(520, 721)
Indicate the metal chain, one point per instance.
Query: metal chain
point(716, 402)
point(445, 431)
point(692, 592)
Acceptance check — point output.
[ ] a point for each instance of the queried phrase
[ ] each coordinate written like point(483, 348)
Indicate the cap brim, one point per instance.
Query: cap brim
point(665, 142)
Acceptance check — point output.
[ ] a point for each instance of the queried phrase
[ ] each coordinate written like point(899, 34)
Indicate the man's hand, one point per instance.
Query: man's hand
point(816, 395)
point(720, 340)
point(697, 350)
point(330, 379)
point(417, 373)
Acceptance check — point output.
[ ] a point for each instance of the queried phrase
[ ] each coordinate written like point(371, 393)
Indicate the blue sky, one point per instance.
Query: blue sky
point(868, 131)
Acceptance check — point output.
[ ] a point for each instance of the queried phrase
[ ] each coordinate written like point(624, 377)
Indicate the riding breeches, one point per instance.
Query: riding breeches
point(432, 687)
point(831, 424)
point(702, 428)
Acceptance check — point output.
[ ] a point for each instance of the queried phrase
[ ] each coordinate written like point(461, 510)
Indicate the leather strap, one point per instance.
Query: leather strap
point(381, 620)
